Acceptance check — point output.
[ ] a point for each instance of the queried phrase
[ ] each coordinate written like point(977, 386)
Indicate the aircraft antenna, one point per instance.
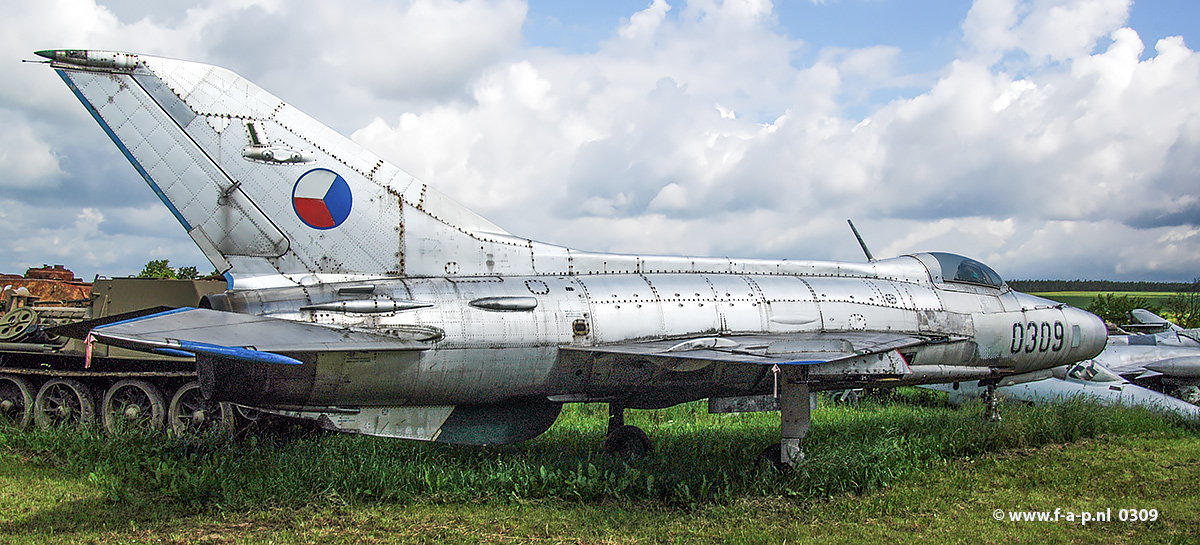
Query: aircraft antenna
point(870, 258)
point(253, 134)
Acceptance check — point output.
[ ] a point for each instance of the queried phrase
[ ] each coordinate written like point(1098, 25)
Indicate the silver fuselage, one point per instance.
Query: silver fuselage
point(482, 355)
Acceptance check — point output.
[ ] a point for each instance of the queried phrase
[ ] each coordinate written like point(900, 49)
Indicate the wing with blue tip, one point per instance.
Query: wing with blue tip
point(260, 339)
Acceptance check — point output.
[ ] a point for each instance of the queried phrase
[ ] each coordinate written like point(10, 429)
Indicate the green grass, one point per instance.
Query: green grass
point(913, 468)
point(1081, 299)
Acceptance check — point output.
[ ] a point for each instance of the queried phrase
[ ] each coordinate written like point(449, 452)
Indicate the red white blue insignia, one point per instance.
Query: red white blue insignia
point(322, 199)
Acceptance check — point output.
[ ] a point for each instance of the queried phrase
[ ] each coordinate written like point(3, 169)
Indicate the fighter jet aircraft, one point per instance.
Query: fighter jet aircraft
point(1087, 380)
point(1166, 360)
point(365, 299)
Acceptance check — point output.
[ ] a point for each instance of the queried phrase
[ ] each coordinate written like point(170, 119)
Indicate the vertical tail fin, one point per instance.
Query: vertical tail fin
point(267, 193)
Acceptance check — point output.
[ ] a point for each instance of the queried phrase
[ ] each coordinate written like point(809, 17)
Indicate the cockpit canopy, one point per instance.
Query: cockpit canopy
point(946, 267)
point(1087, 371)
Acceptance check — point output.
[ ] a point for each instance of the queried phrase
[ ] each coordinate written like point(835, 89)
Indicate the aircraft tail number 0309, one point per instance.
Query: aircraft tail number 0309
point(1038, 336)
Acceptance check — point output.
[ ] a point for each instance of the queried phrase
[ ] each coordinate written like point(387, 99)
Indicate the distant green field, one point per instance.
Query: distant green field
point(1082, 299)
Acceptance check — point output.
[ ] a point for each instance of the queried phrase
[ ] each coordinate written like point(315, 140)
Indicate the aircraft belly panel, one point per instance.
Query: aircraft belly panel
point(483, 375)
point(365, 378)
point(435, 377)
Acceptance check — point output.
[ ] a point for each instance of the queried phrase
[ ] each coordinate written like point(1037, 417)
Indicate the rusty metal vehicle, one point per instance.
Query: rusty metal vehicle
point(50, 379)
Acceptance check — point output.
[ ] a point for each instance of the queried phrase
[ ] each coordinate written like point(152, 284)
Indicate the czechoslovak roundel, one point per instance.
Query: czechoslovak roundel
point(322, 199)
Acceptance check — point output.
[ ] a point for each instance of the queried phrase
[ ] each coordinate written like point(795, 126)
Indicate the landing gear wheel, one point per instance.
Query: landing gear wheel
point(992, 401)
point(846, 397)
point(628, 442)
point(191, 414)
point(772, 457)
point(1190, 394)
point(17, 323)
point(64, 402)
point(16, 402)
point(133, 404)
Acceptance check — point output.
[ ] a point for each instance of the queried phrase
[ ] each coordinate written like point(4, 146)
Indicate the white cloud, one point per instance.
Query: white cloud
point(79, 239)
point(26, 161)
point(643, 24)
point(671, 197)
point(420, 47)
point(1034, 150)
point(1042, 30)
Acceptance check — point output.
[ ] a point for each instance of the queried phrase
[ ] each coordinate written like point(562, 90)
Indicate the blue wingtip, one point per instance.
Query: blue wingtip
point(173, 352)
point(232, 352)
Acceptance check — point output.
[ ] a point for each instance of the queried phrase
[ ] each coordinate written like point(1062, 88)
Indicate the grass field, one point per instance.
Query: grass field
point(911, 470)
point(1081, 299)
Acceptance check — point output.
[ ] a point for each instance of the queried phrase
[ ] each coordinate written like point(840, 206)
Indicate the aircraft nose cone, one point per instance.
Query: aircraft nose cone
point(1092, 333)
point(47, 53)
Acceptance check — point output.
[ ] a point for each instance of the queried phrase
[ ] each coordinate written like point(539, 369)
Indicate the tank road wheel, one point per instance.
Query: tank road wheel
point(133, 404)
point(191, 414)
point(63, 402)
point(16, 402)
point(17, 323)
point(249, 415)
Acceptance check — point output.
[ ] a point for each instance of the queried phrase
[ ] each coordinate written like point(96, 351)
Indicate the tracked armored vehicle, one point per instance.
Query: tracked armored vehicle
point(49, 379)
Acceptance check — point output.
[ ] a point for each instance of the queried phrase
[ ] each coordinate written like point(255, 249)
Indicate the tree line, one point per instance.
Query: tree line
point(161, 268)
point(1038, 286)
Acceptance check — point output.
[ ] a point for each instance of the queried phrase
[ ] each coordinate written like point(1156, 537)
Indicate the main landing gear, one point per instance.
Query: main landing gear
point(992, 400)
point(795, 409)
point(792, 395)
point(624, 440)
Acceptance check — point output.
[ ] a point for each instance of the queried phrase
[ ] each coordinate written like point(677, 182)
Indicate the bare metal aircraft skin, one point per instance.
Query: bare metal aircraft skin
point(366, 299)
point(1163, 357)
point(1088, 380)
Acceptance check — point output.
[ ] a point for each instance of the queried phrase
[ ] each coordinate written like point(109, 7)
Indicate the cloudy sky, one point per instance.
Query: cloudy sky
point(1048, 138)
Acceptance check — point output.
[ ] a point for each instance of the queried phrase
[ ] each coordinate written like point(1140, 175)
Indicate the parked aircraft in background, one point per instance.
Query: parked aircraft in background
point(1087, 380)
point(1165, 358)
point(365, 299)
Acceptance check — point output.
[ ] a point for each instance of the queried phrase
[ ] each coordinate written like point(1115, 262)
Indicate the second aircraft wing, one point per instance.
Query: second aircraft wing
point(189, 331)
